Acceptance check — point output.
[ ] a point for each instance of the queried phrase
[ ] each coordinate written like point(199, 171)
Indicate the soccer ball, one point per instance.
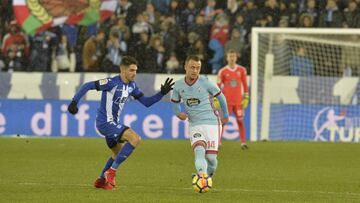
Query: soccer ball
point(202, 183)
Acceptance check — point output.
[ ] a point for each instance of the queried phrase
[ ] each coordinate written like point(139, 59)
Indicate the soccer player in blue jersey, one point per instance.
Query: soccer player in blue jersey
point(121, 139)
point(197, 93)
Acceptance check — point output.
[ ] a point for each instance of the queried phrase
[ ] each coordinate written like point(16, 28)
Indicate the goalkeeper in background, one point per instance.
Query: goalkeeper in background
point(232, 81)
point(116, 91)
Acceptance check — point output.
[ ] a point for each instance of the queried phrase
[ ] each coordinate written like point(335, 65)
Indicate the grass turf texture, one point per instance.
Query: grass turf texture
point(63, 170)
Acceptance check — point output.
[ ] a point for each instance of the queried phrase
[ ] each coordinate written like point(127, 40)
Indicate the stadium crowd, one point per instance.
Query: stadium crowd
point(161, 33)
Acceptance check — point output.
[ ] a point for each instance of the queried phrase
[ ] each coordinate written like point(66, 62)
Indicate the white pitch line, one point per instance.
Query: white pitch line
point(215, 189)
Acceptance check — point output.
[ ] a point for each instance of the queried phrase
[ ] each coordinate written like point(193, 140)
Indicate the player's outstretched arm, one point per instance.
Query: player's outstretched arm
point(224, 109)
point(72, 108)
point(165, 88)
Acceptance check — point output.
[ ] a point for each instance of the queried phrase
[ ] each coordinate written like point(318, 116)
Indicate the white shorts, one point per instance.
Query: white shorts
point(210, 134)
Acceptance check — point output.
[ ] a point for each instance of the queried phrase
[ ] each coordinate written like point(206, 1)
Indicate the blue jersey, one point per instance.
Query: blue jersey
point(197, 99)
point(115, 93)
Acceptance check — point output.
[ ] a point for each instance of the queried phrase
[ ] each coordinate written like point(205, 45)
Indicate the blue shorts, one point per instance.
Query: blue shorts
point(112, 132)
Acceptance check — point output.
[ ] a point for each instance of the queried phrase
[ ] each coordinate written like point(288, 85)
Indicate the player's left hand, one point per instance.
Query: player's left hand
point(245, 102)
point(167, 86)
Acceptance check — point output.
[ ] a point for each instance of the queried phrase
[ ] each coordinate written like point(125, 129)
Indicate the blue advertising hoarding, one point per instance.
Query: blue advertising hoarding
point(50, 118)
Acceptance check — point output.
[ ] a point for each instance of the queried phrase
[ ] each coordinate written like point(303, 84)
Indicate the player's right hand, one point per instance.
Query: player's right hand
point(72, 108)
point(182, 116)
point(224, 120)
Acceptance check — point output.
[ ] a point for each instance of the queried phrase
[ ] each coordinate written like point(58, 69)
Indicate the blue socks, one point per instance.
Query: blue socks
point(200, 161)
point(122, 155)
point(107, 166)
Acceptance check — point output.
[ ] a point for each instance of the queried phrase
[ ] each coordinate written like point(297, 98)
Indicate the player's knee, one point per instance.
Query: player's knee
point(131, 137)
point(134, 140)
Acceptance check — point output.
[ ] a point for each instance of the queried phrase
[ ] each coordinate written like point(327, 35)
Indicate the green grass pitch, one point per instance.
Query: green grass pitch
point(63, 170)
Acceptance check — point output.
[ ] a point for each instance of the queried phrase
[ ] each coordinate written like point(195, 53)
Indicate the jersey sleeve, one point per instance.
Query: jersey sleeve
point(104, 84)
point(175, 96)
point(220, 78)
point(212, 88)
point(136, 93)
point(244, 81)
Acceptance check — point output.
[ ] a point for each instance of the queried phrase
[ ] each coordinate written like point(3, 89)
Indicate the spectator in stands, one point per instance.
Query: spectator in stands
point(161, 5)
point(42, 47)
point(153, 16)
point(115, 50)
point(200, 27)
point(272, 12)
point(300, 64)
point(168, 35)
point(221, 29)
point(241, 26)
point(188, 16)
point(352, 15)
point(232, 10)
point(288, 14)
point(142, 25)
point(175, 11)
point(15, 48)
point(128, 10)
point(93, 52)
point(139, 51)
point(210, 12)
point(313, 11)
point(63, 58)
point(196, 46)
point(218, 55)
point(237, 42)
point(155, 55)
point(305, 20)
point(2, 63)
point(122, 30)
point(250, 13)
point(71, 32)
point(331, 16)
point(172, 64)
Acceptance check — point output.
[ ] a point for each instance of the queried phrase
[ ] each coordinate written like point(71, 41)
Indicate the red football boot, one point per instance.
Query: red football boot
point(100, 182)
point(110, 175)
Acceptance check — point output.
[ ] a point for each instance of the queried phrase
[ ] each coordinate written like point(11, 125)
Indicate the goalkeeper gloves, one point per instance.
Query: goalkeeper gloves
point(216, 103)
point(167, 86)
point(72, 108)
point(245, 101)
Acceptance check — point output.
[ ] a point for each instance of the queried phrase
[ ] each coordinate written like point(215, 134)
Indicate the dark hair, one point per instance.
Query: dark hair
point(192, 57)
point(128, 60)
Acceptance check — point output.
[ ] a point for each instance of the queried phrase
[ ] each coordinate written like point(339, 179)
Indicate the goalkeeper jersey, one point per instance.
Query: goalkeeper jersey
point(233, 83)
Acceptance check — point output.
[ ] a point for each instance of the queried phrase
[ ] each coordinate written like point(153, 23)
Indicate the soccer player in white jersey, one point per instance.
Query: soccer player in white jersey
point(197, 93)
point(116, 91)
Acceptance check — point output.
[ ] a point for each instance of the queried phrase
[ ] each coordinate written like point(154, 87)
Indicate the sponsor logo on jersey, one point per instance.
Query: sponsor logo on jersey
point(233, 83)
point(192, 102)
point(103, 81)
point(130, 89)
